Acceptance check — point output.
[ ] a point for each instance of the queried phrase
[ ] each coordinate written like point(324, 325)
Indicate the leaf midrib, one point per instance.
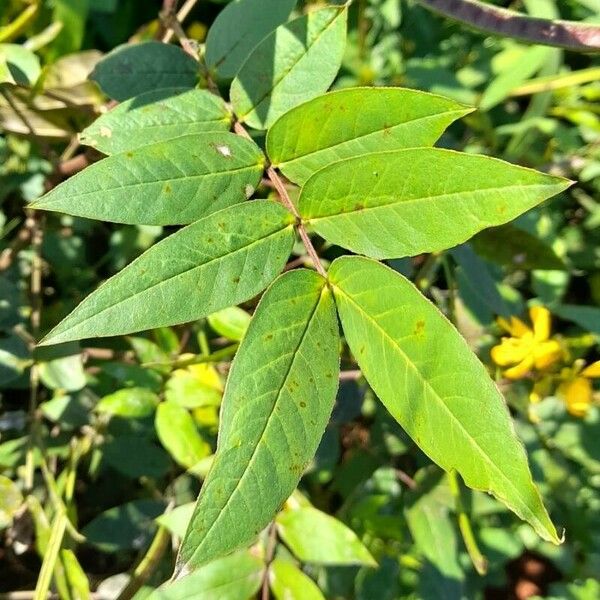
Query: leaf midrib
point(478, 191)
point(473, 441)
point(41, 203)
point(266, 425)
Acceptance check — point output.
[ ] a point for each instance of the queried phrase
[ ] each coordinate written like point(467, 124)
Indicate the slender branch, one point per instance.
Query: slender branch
point(272, 542)
point(579, 37)
point(183, 12)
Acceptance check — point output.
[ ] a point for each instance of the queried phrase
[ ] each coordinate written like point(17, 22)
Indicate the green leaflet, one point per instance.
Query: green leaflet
point(235, 577)
point(296, 62)
point(433, 385)
point(288, 582)
point(238, 28)
point(406, 202)
point(167, 183)
point(315, 536)
point(179, 436)
point(351, 122)
point(277, 403)
point(155, 116)
point(221, 260)
point(132, 69)
point(18, 65)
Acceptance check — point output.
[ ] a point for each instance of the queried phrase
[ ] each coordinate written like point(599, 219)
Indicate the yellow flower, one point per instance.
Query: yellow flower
point(528, 347)
point(576, 389)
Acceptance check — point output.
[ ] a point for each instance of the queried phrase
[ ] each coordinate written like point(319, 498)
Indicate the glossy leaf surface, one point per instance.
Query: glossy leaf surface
point(433, 385)
point(406, 202)
point(172, 182)
point(221, 260)
point(347, 123)
point(277, 403)
point(156, 116)
point(295, 63)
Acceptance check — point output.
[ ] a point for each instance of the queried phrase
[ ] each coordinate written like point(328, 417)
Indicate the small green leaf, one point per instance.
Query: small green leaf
point(351, 122)
point(235, 577)
point(131, 403)
point(177, 520)
point(238, 28)
point(296, 62)
point(18, 65)
point(11, 500)
point(316, 537)
point(288, 582)
point(179, 435)
point(132, 69)
point(156, 116)
point(277, 403)
point(135, 457)
point(230, 322)
point(199, 385)
point(587, 317)
point(406, 202)
point(173, 182)
point(64, 373)
point(433, 385)
point(221, 260)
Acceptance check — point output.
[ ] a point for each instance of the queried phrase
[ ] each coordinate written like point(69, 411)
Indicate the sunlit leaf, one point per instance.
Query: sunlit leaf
point(277, 403)
point(347, 123)
point(221, 260)
point(295, 63)
point(433, 385)
point(288, 582)
point(172, 182)
point(406, 202)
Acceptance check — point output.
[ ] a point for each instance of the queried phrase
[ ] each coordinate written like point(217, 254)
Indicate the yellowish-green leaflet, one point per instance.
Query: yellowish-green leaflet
point(277, 402)
point(433, 385)
point(296, 62)
point(406, 202)
point(221, 260)
point(351, 122)
point(156, 116)
point(173, 182)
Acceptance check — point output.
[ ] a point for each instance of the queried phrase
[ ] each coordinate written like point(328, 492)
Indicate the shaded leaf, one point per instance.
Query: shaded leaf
point(433, 385)
point(156, 116)
point(587, 317)
point(277, 403)
point(351, 122)
point(135, 457)
point(221, 260)
point(296, 62)
point(132, 69)
point(172, 182)
point(406, 202)
point(238, 28)
point(314, 536)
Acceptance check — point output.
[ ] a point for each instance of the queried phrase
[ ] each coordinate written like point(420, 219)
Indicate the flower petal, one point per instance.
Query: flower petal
point(592, 370)
point(577, 395)
point(541, 319)
point(546, 354)
point(509, 352)
point(521, 370)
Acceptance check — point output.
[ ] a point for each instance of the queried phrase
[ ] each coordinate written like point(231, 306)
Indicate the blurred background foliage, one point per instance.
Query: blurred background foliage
point(111, 439)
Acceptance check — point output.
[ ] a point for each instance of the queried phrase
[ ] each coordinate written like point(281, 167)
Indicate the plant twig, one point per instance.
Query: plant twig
point(183, 12)
point(579, 37)
point(271, 543)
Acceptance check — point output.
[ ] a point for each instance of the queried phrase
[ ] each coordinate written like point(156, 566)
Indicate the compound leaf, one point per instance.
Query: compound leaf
point(155, 116)
point(351, 122)
point(221, 260)
point(406, 202)
point(133, 69)
point(277, 403)
point(238, 28)
point(433, 385)
point(172, 182)
point(296, 62)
